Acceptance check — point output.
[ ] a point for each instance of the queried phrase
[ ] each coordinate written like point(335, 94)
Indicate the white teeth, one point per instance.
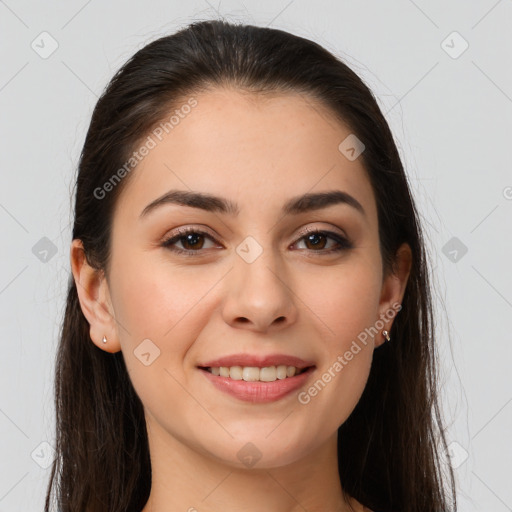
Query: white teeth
point(253, 373)
point(235, 372)
point(268, 374)
point(250, 373)
point(282, 372)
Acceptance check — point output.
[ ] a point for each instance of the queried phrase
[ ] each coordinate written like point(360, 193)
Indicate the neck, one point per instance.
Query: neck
point(189, 480)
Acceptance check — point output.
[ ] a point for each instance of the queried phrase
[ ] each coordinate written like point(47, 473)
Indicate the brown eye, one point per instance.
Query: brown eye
point(316, 241)
point(192, 241)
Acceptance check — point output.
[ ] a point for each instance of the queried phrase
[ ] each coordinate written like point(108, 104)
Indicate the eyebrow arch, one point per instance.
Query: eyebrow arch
point(300, 204)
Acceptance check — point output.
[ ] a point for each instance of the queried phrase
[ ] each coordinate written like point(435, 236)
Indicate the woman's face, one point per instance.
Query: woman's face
point(254, 283)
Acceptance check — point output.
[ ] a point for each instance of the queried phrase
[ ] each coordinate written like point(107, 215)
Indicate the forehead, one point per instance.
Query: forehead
point(251, 149)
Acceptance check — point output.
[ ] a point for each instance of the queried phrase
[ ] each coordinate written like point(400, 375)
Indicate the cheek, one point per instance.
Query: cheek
point(156, 300)
point(345, 307)
point(343, 300)
point(168, 307)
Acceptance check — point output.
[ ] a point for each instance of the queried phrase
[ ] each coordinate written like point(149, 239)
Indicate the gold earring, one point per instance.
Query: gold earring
point(386, 335)
point(104, 339)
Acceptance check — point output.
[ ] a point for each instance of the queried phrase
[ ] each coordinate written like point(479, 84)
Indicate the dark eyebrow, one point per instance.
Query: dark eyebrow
point(300, 204)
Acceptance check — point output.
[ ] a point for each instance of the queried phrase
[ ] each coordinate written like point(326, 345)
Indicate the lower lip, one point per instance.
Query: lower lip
point(258, 392)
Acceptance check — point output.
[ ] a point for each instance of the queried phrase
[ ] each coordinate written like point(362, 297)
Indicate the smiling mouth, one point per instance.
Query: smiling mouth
point(256, 374)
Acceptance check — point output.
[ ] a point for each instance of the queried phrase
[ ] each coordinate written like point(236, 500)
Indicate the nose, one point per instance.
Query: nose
point(259, 295)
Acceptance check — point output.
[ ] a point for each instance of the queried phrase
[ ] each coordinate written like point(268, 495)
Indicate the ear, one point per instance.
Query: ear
point(393, 288)
point(94, 297)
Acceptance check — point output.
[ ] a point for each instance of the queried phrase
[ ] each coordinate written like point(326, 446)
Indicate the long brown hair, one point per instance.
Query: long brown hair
point(389, 449)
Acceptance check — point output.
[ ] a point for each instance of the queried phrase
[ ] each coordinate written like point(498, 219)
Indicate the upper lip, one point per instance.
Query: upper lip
point(259, 361)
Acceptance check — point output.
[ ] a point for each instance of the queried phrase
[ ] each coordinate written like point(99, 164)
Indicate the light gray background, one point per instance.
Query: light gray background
point(451, 114)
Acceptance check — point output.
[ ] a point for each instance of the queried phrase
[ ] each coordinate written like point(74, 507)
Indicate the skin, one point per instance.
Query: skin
point(244, 148)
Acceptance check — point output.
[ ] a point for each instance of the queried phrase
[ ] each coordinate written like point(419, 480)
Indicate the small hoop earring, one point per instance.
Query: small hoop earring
point(104, 339)
point(386, 335)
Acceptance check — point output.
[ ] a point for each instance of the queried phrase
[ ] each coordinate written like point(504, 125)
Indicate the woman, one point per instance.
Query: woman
point(249, 322)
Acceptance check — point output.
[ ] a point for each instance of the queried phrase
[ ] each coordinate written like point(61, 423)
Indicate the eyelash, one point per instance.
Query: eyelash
point(343, 243)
